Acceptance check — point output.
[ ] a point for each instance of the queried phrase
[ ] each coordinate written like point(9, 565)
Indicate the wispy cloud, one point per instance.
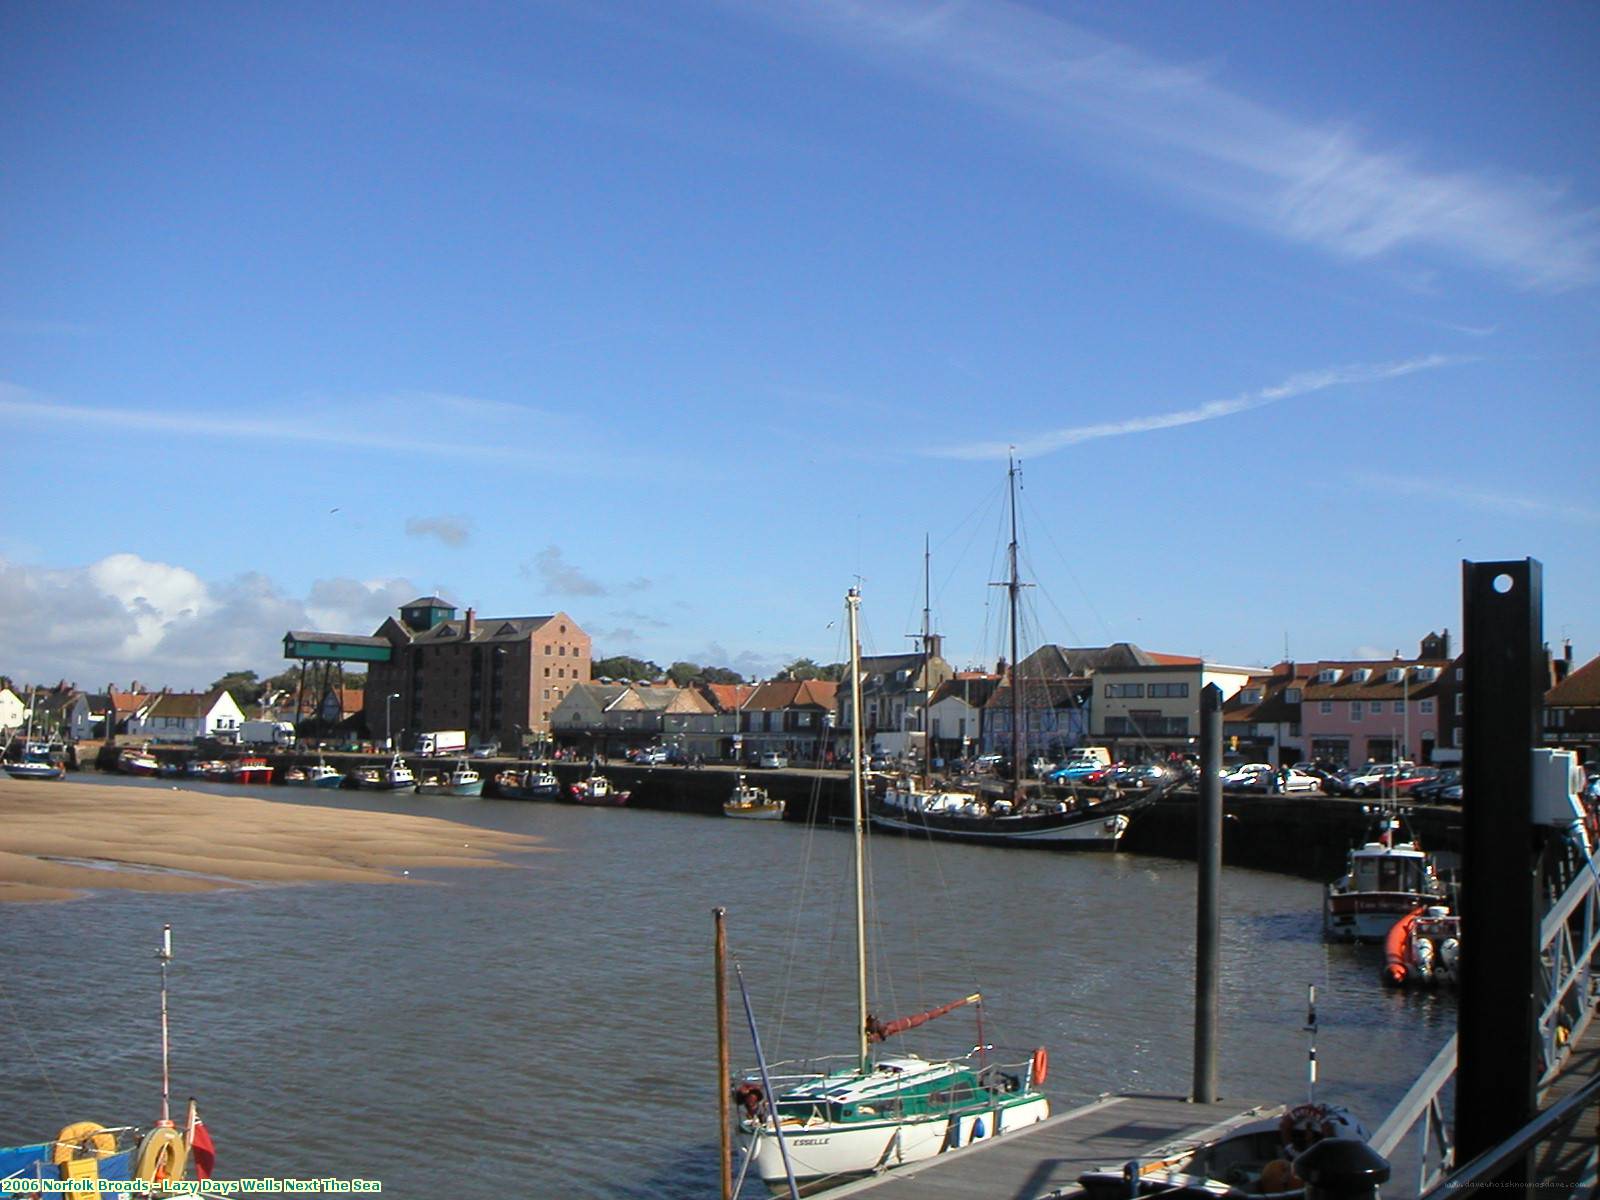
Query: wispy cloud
point(561, 578)
point(1494, 502)
point(452, 531)
point(1327, 185)
point(361, 425)
point(1034, 445)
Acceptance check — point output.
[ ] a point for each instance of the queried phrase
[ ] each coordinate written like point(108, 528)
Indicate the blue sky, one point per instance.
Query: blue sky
point(680, 317)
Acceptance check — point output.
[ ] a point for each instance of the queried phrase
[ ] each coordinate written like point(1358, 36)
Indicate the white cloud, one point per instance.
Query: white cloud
point(1302, 384)
point(1321, 184)
point(124, 618)
point(452, 531)
point(1501, 503)
point(561, 578)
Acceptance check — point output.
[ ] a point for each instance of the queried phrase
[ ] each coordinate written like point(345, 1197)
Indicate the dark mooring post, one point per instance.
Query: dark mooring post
point(1208, 907)
point(1496, 1080)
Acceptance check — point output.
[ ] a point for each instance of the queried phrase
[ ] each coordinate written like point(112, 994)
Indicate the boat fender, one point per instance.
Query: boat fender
point(82, 1139)
point(977, 1131)
point(1303, 1127)
point(750, 1097)
point(163, 1154)
point(1041, 1066)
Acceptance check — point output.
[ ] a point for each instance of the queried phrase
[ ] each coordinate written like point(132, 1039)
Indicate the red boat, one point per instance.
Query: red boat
point(597, 790)
point(250, 770)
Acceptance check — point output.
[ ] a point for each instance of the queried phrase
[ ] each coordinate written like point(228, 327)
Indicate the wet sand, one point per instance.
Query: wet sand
point(59, 839)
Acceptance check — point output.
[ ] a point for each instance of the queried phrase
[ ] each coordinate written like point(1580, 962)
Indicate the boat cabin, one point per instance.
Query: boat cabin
point(1376, 868)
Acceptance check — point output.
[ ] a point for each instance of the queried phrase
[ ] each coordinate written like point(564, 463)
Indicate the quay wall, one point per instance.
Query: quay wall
point(1296, 835)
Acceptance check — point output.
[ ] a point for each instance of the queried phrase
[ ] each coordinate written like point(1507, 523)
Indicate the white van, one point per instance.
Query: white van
point(1085, 755)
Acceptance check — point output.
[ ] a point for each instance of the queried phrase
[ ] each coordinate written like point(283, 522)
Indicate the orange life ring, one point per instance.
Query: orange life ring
point(163, 1155)
point(82, 1139)
point(1041, 1066)
point(1303, 1126)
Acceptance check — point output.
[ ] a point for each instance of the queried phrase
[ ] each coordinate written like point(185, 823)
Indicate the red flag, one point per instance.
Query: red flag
point(205, 1154)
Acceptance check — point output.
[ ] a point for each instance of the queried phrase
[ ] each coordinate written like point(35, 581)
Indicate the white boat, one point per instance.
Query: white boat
point(527, 783)
point(597, 791)
point(752, 803)
point(36, 760)
point(395, 777)
point(882, 1111)
point(463, 780)
point(1388, 876)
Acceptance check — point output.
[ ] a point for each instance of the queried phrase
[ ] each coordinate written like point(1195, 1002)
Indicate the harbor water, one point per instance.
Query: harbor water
point(547, 1028)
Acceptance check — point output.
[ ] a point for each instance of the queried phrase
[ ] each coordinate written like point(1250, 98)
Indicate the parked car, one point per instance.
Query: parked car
point(1411, 778)
point(1075, 772)
point(1142, 776)
point(1434, 789)
point(770, 758)
point(1248, 776)
point(654, 755)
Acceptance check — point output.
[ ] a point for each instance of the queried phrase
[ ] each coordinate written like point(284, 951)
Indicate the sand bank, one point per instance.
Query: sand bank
point(59, 839)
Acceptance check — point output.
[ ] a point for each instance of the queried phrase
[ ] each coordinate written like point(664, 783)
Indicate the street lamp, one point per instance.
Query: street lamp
point(388, 728)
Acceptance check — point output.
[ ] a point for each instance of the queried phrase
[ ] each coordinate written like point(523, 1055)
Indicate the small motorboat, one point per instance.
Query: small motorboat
point(432, 784)
point(752, 803)
point(527, 783)
point(1388, 876)
point(250, 770)
point(396, 777)
point(37, 762)
point(1253, 1156)
point(463, 780)
point(1423, 949)
point(597, 791)
point(320, 775)
point(138, 761)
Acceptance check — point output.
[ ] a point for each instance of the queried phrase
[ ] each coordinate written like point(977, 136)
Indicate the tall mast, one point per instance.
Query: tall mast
point(1012, 589)
point(927, 632)
point(852, 602)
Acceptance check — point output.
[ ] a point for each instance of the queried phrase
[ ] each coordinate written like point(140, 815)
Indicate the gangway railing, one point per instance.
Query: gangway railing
point(1569, 944)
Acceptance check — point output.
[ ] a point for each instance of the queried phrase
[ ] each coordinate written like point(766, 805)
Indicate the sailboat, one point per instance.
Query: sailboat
point(1071, 819)
point(882, 1111)
point(37, 760)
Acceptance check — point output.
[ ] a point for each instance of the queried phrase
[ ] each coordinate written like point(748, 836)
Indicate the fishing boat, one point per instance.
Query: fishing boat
point(881, 1111)
point(318, 775)
point(464, 780)
point(751, 803)
point(432, 783)
point(598, 792)
point(394, 777)
point(85, 1156)
point(1387, 877)
point(250, 770)
point(527, 783)
point(137, 760)
point(1423, 949)
point(1018, 814)
point(34, 759)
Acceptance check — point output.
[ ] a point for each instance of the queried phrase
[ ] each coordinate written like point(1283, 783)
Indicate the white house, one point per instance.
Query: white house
point(187, 716)
point(1152, 710)
point(13, 712)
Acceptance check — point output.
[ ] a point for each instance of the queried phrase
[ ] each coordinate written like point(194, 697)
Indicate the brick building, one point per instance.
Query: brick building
point(498, 678)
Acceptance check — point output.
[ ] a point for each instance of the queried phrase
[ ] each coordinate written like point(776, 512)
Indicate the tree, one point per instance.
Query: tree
point(623, 666)
point(243, 686)
point(720, 675)
point(805, 668)
point(685, 673)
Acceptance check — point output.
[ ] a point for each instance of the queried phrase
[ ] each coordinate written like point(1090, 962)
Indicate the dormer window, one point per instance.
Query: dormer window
point(1427, 674)
point(1394, 674)
point(1252, 695)
point(1361, 675)
point(1330, 675)
point(1291, 695)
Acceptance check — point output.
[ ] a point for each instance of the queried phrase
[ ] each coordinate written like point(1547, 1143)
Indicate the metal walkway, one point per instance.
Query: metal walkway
point(1047, 1159)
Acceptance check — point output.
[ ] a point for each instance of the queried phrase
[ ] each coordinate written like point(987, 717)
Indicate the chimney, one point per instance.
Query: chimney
point(471, 624)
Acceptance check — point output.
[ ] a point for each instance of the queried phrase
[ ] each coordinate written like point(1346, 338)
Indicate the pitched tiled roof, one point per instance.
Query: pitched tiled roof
point(1377, 685)
point(485, 629)
point(1038, 693)
point(789, 693)
point(975, 692)
point(727, 697)
point(1581, 689)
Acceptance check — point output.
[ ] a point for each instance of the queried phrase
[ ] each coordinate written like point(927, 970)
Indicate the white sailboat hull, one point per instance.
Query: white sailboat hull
point(820, 1149)
point(1089, 829)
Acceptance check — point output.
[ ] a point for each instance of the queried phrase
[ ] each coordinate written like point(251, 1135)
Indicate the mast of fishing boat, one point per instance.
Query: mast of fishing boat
point(165, 956)
point(1013, 587)
point(852, 603)
point(927, 631)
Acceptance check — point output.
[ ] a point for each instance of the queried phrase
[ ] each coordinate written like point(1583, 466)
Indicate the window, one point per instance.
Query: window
point(549, 649)
point(561, 672)
point(547, 693)
point(562, 651)
point(1377, 707)
point(1291, 695)
point(1460, 697)
point(1355, 710)
point(547, 672)
point(1325, 707)
point(1455, 736)
point(1425, 707)
point(1247, 696)
point(1177, 691)
point(1399, 706)
point(1125, 691)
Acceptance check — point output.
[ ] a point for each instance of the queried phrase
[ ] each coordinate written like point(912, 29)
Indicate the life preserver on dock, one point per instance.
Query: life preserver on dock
point(82, 1139)
point(1041, 1066)
point(163, 1154)
point(1304, 1126)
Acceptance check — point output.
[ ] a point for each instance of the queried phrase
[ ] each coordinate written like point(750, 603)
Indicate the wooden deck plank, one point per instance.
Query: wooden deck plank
point(1050, 1156)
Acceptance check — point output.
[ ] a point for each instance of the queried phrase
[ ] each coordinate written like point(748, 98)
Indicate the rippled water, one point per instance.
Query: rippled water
point(549, 1029)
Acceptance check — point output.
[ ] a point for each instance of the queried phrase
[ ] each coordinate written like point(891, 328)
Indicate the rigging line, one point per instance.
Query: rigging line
point(1073, 575)
point(44, 1074)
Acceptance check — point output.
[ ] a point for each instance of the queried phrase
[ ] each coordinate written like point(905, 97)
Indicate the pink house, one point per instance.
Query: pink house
point(1384, 711)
